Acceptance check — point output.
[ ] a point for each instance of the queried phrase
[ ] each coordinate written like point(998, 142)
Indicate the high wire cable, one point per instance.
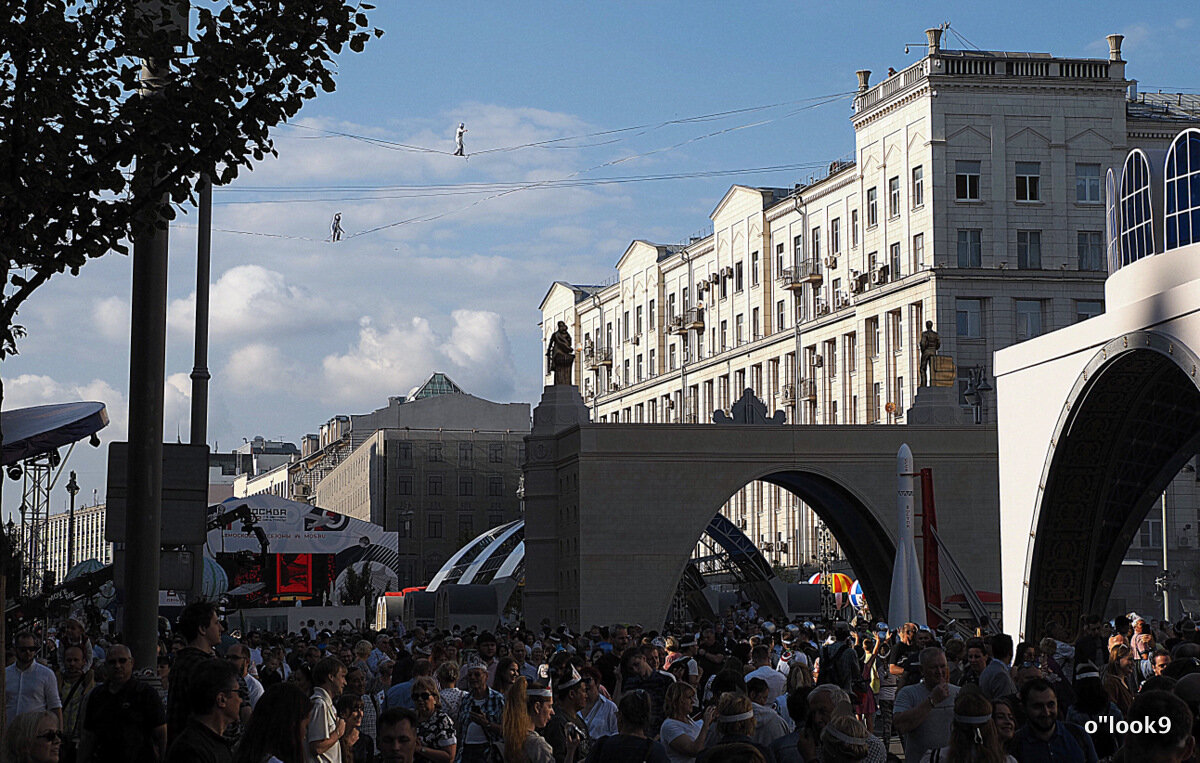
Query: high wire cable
point(394, 145)
point(811, 104)
point(430, 218)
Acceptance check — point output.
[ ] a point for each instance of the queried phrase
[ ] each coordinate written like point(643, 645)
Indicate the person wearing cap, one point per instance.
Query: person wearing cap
point(1092, 703)
point(486, 645)
point(565, 725)
point(479, 718)
point(973, 734)
point(925, 711)
point(1044, 738)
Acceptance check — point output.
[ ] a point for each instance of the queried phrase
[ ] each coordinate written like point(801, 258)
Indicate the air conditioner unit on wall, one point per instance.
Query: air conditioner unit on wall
point(636, 338)
point(818, 361)
point(831, 262)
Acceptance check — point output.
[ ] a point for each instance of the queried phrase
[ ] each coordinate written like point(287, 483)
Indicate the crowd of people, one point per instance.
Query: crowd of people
point(738, 690)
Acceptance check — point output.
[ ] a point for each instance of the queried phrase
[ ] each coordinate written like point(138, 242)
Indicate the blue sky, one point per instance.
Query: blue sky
point(304, 329)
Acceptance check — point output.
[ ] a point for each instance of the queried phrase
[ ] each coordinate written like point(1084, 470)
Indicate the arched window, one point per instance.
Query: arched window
point(1182, 173)
point(1112, 222)
point(1137, 218)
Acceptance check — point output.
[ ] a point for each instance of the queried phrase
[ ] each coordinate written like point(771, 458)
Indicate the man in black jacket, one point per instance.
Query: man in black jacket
point(201, 627)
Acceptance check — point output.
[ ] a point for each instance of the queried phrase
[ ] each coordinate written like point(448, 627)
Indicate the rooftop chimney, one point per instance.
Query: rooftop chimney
point(1114, 46)
point(935, 40)
point(864, 78)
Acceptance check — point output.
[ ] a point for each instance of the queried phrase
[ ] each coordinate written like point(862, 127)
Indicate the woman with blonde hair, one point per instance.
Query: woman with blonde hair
point(735, 726)
point(844, 740)
point(1117, 674)
point(34, 738)
point(436, 740)
point(527, 708)
point(973, 734)
point(683, 737)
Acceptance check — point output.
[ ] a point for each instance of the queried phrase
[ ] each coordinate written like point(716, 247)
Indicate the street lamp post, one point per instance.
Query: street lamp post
point(73, 490)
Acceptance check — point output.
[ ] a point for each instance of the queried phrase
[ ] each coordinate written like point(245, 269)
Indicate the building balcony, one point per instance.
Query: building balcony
point(597, 356)
point(694, 319)
point(675, 325)
point(794, 278)
point(806, 389)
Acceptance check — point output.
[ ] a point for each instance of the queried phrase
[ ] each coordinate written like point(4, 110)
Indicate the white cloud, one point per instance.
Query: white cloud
point(258, 367)
point(111, 317)
point(245, 300)
point(391, 360)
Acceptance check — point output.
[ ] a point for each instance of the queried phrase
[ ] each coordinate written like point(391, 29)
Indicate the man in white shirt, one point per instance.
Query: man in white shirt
point(599, 712)
point(30, 686)
point(760, 656)
point(325, 729)
point(768, 724)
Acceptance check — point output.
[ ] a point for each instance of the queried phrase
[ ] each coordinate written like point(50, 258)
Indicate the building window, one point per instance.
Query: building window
point(966, 180)
point(466, 485)
point(918, 252)
point(816, 246)
point(1150, 533)
point(898, 399)
point(1087, 308)
point(894, 261)
point(1029, 318)
point(434, 526)
point(969, 317)
point(918, 187)
point(495, 486)
point(724, 287)
point(1029, 249)
point(639, 319)
point(970, 248)
point(405, 485)
point(1183, 190)
point(1087, 183)
point(797, 250)
point(1137, 220)
point(1091, 250)
point(724, 335)
point(435, 452)
point(651, 326)
point(872, 207)
point(850, 352)
point(670, 306)
point(465, 454)
point(496, 453)
point(780, 315)
point(854, 228)
point(405, 451)
point(873, 414)
point(652, 368)
point(894, 197)
point(872, 330)
point(1029, 181)
point(756, 323)
point(434, 485)
point(625, 326)
point(625, 379)
point(466, 528)
point(671, 357)
point(754, 268)
point(835, 236)
point(738, 283)
point(896, 319)
point(639, 367)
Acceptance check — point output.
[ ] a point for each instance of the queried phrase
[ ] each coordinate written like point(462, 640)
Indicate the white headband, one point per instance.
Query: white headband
point(735, 718)
point(843, 737)
point(539, 693)
point(972, 720)
point(1087, 674)
point(567, 684)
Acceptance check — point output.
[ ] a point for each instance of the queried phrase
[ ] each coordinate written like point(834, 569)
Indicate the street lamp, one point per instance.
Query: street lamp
point(73, 490)
point(977, 389)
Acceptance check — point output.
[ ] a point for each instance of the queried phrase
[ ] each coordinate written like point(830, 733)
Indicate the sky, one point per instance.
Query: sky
point(445, 259)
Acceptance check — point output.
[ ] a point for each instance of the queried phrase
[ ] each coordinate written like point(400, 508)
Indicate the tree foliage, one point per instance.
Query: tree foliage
point(72, 125)
point(359, 589)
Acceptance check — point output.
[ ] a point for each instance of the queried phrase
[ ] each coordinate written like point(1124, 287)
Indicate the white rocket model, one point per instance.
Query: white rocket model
point(907, 604)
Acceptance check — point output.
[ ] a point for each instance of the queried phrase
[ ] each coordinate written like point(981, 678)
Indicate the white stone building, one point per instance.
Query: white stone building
point(88, 539)
point(974, 201)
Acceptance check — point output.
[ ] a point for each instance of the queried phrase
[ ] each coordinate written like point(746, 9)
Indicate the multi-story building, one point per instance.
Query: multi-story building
point(438, 466)
point(974, 201)
point(88, 539)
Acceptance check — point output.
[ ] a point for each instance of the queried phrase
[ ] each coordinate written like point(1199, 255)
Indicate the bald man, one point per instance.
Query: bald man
point(124, 721)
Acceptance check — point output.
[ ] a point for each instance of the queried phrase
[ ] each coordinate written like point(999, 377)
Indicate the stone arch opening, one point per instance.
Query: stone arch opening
point(869, 547)
point(1130, 424)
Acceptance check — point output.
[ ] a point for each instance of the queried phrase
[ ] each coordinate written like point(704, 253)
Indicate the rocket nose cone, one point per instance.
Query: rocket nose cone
point(904, 458)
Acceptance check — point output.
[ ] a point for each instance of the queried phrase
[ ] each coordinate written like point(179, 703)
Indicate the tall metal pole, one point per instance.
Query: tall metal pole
point(1166, 577)
point(73, 490)
point(147, 367)
point(200, 374)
